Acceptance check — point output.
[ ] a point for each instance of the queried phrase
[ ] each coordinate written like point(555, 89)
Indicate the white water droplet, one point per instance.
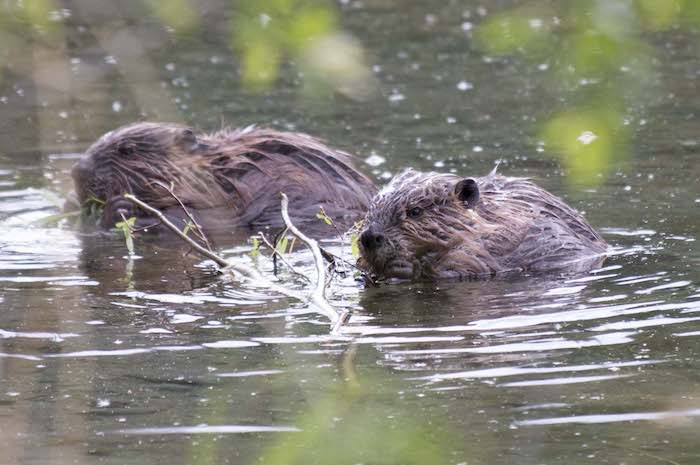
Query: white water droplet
point(586, 137)
point(464, 85)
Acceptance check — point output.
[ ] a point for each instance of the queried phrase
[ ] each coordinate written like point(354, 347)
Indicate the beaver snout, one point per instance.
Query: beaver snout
point(372, 239)
point(83, 168)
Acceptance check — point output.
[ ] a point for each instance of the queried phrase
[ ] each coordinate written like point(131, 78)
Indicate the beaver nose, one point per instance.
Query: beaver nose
point(372, 239)
point(83, 169)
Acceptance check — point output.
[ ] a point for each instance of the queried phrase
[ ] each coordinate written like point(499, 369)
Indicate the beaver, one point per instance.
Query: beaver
point(228, 179)
point(433, 226)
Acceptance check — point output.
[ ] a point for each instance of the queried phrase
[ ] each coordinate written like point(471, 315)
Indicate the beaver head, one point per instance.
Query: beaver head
point(134, 159)
point(418, 227)
point(129, 157)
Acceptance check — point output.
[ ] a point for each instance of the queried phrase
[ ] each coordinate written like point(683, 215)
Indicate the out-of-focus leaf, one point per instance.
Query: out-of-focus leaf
point(309, 24)
point(260, 64)
point(343, 429)
point(178, 14)
point(659, 15)
point(337, 61)
point(514, 30)
point(691, 13)
point(267, 32)
point(587, 140)
point(36, 13)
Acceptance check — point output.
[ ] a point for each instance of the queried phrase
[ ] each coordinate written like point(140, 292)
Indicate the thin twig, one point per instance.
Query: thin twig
point(195, 226)
point(281, 257)
point(198, 248)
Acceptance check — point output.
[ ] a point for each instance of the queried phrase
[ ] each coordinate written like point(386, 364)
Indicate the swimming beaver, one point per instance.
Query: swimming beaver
point(228, 179)
point(431, 225)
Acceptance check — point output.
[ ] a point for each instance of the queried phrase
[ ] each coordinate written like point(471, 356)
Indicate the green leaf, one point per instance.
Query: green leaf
point(129, 243)
point(282, 246)
point(187, 228)
point(125, 227)
point(353, 245)
point(324, 217)
point(256, 246)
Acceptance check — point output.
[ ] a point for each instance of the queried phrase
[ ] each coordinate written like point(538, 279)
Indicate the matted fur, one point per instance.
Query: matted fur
point(235, 174)
point(515, 225)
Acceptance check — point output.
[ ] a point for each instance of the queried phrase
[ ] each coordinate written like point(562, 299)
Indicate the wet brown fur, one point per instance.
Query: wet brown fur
point(514, 225)
point(232, 177)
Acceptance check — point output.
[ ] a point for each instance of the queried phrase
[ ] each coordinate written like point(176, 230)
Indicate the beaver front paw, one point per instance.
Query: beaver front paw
point(117, 209)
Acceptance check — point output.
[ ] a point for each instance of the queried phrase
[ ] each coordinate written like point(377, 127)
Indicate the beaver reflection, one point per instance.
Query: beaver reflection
point(228, 179)
point(430, 225)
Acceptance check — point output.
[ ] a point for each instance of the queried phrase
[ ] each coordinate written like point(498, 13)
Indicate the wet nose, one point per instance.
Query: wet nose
point(371, 239)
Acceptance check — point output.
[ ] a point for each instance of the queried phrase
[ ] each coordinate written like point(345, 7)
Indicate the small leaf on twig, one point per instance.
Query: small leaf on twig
point(282, 246)
point(324, 217)
point(353, 245)
point(256, 246)
point(187, 228)
point(125, 228)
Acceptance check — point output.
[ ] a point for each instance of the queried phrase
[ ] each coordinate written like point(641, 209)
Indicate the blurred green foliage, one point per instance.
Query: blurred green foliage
point(35, 22)
point(178, 14)
point(269, 37)
point(599, 58)
point(306, 33)
point(351, 426)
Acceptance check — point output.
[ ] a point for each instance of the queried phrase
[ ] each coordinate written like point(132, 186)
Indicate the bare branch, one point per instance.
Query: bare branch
point(318, 294)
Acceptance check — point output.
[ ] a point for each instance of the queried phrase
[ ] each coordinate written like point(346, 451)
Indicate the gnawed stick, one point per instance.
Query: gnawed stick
point(317, 296)
point(315, 299)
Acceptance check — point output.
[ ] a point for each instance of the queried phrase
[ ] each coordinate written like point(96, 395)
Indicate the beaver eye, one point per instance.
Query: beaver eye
point(415, 212)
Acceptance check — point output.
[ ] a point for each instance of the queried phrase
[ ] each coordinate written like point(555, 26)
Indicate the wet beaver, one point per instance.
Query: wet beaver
point(430, 225)
point(228, 179)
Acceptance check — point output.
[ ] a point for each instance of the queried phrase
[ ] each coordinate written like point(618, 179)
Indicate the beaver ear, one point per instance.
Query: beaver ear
point(187, 140)
point(467, 191)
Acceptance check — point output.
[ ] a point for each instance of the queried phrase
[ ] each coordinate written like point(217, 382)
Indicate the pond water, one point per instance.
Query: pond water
point(158, 359)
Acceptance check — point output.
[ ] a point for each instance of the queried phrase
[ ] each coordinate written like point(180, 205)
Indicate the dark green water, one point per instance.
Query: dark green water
point(158, 360)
